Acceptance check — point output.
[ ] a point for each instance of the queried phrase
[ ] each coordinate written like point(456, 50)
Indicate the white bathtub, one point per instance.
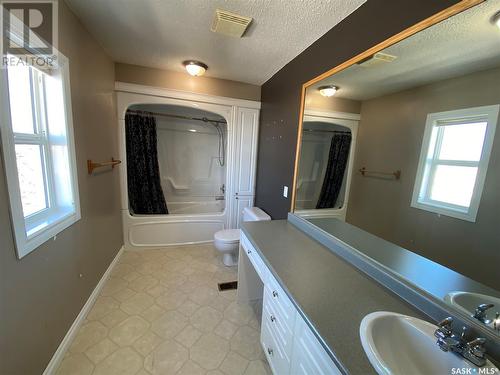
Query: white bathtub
point(188, 208)
point(147, 231)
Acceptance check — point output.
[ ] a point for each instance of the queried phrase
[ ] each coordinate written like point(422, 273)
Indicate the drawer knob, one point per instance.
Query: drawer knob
point(273, 318)
point(275, 294)
point(270, 351)
point(249, 251)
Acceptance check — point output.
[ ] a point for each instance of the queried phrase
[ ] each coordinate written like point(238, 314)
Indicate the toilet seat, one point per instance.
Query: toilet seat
point(228, 236)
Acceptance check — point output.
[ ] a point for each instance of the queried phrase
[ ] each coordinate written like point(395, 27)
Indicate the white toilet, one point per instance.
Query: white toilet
point(227, 241)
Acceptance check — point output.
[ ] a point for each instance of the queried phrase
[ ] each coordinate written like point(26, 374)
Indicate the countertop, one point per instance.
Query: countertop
point(332, 295)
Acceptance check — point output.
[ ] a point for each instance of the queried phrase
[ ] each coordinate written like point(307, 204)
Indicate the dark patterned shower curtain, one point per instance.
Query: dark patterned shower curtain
point(145, 193)
point(335, 169)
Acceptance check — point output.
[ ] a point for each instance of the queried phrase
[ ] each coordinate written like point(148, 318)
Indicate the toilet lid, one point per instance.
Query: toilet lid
point(228, 235)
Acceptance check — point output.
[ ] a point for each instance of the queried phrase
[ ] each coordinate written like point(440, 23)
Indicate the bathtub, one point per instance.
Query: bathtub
point(194, 218)
point(188, 208)
point(148, 231)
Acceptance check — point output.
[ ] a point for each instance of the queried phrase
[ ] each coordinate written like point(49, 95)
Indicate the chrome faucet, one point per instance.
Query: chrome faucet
point(474, 351)
point(480, 313)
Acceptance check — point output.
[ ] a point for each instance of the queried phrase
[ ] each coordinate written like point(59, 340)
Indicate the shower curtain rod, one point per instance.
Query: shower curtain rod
point(326, 131)
point(204, 119)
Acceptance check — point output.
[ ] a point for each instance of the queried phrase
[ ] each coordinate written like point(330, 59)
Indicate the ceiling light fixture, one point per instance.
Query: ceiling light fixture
point(195, 68)
point(328, 90)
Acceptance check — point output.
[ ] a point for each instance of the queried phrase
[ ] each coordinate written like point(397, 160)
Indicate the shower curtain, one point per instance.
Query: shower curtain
point(143, 173)
point(335, 169)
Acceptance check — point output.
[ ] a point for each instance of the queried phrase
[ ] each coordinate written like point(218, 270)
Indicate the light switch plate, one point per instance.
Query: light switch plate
point(285, 191)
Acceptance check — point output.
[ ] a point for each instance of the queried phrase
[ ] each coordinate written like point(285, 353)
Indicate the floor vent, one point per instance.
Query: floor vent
point(231, 24)
point(231, 285)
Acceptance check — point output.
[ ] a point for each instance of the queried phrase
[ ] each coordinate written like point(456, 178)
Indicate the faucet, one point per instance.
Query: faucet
point(474, 351)
point(480, 312)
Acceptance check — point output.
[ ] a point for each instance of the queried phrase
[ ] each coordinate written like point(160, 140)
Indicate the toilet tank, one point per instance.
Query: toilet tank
point(255, 214)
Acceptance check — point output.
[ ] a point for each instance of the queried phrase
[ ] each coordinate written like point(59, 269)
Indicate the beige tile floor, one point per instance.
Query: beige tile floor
point(160, 312)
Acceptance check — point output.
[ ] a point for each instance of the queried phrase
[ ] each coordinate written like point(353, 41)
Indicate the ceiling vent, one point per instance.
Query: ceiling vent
point(377, 59)
point(231, 24)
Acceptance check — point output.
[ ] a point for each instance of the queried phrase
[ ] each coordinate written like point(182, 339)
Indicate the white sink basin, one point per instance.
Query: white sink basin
point(399, 344)
point(467, 302)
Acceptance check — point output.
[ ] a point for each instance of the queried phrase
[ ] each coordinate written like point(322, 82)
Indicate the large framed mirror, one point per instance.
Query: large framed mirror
point(402, 144)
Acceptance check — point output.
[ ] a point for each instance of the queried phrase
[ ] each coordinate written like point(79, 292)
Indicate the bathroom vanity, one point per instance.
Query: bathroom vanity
point(313, 301)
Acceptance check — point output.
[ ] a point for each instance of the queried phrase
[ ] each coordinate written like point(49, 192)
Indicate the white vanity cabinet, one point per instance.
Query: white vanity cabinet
point(309, 357)
point(288, 342)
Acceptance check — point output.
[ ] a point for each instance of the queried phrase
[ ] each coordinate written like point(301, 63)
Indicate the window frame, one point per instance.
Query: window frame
point(32, 231)
point(427, 167)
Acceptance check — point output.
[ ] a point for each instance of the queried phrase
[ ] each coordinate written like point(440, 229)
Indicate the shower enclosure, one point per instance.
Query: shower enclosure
point(188, 164)
point(321, 189)
point(191, 152)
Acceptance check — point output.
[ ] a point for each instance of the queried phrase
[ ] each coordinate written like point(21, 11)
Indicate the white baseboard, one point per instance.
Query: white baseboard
point(58, 356)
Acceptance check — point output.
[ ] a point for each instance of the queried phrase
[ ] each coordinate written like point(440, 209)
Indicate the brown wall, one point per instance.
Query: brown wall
point(41, 295)
point(372, 23)
point(314, 100)
point(182, 81)
point(390, 138)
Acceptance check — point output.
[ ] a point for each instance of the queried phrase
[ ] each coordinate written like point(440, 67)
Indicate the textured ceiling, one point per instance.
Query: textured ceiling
point(463, 44)
point(163, 33)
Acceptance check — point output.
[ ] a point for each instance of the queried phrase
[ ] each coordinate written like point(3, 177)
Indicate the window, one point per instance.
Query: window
point(37, 140)
point(454, 160)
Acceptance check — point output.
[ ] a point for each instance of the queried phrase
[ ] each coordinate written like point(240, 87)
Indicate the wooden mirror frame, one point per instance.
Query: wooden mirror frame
point(420, 26)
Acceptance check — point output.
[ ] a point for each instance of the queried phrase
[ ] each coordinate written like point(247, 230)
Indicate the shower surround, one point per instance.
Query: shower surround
point(207, 169)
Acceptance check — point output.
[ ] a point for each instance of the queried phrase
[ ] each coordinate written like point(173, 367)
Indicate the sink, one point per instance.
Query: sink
point(400, 344)
point(467, 303)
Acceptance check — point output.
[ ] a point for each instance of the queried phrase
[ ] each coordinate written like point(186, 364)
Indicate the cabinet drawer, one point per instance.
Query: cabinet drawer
point(282, 334)
point(255, 258)
point(309, 357)
point(278, 361)
point(282, 305)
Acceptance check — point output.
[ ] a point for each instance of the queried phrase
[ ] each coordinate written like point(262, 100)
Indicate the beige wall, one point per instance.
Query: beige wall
point(390, 137)
point(41, 295)
point(314, 100)
point(183, 81)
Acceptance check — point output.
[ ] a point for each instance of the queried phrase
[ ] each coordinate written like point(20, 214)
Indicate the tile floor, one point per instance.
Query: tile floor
point(160, 312)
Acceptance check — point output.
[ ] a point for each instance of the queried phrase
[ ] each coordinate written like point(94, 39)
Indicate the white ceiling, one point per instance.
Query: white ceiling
point(163, 33)
point(463, 44)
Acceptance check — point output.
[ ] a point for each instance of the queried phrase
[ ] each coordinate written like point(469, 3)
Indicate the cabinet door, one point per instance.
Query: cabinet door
point(247, 127)
point(279, 363)
point(240, 202)
point(309, 357)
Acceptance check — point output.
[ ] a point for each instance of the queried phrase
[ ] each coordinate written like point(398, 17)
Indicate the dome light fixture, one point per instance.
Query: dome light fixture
point(195, 68)
point(328, 91)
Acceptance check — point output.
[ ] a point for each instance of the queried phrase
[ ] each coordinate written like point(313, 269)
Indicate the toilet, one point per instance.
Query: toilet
point(227, 241)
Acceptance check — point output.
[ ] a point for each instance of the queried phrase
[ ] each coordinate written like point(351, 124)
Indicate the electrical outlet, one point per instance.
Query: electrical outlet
point(285, 191)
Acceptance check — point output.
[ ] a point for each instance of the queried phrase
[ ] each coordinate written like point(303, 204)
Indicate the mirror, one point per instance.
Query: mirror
point(401, 147)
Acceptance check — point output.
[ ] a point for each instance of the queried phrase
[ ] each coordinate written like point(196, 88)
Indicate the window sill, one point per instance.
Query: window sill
point(41, 232)
point(467, 215)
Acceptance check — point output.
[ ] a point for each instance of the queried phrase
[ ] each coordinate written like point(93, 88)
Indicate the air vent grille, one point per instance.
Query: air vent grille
point(231, 24)
point(376, 59)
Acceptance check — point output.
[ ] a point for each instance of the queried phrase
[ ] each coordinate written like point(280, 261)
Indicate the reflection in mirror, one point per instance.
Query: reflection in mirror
point(398, 156)
point(327, 159)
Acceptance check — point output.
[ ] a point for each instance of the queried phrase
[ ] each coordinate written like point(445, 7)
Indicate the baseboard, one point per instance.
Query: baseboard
point(58, 356)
